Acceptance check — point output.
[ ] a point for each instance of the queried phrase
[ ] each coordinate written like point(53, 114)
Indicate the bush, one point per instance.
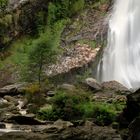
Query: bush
point(65, 105)
point(69, 105)
point(34, 95)
point(59, 10)
point(104, 113)
point(47, 113)
point(77, 6)
point(33, 88)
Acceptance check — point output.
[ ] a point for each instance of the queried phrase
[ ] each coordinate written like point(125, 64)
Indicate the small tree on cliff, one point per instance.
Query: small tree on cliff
point(41, 53)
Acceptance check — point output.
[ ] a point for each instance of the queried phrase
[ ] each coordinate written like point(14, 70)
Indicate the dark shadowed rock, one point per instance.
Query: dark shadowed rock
point(24, 119)
point(2, 126)
point(132, 109)
point(134, 129)
point(50, 93)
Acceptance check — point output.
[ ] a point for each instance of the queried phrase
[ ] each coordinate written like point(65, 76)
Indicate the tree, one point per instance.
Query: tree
point(41, 53)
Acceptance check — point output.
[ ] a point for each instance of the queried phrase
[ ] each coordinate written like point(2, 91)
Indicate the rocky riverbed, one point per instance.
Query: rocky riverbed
point(18, 124)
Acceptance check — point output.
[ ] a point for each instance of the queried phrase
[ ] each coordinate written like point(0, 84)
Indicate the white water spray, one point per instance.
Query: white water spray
point(121, 58)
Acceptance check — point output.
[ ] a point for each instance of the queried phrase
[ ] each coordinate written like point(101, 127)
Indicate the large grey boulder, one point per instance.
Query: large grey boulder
point(68, 87)
point(12, 90)
point(93, 84)
point(115, 87)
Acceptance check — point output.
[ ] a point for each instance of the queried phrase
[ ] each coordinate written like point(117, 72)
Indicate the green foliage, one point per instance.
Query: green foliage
point(47, 113)
point(3, 4)
point(42, 52)
point(27, 53)
point(5, 22)
point(104, 113)
point(58, 10)
point(35, 97)
point(65, 105)
point(77, 6)
point(71, 105)
point(41, 19)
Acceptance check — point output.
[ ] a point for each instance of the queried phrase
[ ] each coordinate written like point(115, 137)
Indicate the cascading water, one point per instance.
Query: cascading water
point(121, 58)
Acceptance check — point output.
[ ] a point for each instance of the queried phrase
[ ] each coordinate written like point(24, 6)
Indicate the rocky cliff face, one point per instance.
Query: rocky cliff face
point(87, 28)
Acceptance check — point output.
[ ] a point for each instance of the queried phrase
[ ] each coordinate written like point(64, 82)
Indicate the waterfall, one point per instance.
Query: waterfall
point(121, 57)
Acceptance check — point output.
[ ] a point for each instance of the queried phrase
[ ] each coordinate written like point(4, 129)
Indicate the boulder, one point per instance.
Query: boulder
point(62, 124)
point(59, 125)
point(28, 119)
point(50, 93)
point(115, 87)
point(93, 84)
point(134, 129)
point(67, 87)
point(12, 90)
point(3, 103)
point(11, 99)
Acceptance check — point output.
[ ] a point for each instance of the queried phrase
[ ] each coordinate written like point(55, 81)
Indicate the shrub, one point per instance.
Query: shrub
point(33, 88)
point(65, 105)
point(104, 113)
point(59, 10)
point(47, 113)
point(77, 6)
point(71, 105)
point(34, 95)
point(3, 4)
